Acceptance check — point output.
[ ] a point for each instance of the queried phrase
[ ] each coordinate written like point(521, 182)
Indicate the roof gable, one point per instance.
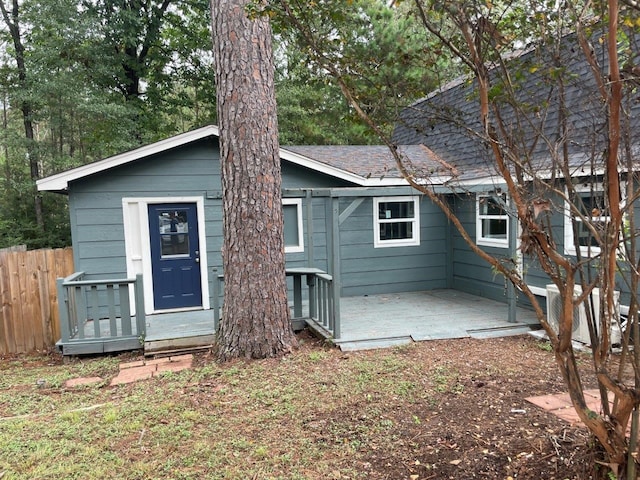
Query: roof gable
point(60, 181)
point(359, 165)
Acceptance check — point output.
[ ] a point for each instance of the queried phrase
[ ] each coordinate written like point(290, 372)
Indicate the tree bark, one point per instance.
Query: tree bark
point(255, 321)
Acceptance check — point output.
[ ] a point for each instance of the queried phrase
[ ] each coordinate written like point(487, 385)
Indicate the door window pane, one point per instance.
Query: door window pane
point(174, 232)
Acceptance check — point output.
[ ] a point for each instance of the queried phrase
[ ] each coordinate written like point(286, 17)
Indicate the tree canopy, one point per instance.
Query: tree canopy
point(87, 80)
point(95, 78)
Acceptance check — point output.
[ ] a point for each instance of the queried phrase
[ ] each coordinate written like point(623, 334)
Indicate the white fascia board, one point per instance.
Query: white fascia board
point(475, 184)
point(435, 181)
point(385, 182)
point(60, 182)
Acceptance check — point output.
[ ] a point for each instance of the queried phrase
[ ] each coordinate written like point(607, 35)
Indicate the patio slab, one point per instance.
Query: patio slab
point(143, 369)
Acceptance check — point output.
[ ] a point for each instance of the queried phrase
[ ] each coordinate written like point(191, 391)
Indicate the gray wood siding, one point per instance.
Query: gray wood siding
point(193, 171)
point(96, 206)
point(470, 273)
point(367, 270)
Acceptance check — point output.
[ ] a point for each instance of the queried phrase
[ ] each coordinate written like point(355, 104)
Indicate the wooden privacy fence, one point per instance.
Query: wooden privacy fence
point(29, 318)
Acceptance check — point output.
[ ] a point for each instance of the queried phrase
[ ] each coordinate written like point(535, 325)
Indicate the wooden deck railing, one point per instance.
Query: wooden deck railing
point(97, 316)
point(322, 304)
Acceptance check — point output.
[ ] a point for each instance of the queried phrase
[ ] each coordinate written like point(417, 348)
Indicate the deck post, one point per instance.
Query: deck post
point(512, 300)
point(328, 229)
point(335, 260)
point(141, 325)
point(63, 309)
point(216, 300)
point(309, 207)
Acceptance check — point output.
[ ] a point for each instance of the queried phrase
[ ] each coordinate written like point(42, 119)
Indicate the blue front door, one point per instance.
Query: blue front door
point(175, 256)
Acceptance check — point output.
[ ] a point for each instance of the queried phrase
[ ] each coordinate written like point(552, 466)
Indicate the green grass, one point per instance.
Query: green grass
point(315, 414)
point(244, 420)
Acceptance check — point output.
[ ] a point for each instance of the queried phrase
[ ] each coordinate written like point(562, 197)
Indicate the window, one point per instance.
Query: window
point(293, 233)
point(492, 221)
point(396, 221)
point(590, 202)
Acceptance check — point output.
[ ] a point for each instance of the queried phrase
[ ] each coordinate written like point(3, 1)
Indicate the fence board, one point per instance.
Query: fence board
point(8, 343)
point(29, 315)
point(16, 267)
point(32, 326)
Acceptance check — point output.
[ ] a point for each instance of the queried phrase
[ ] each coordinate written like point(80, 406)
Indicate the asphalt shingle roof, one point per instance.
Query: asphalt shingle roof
point(374, 161)
point(447, 121)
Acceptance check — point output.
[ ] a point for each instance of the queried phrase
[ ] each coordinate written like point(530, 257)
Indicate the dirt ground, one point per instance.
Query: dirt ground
point(478, 424)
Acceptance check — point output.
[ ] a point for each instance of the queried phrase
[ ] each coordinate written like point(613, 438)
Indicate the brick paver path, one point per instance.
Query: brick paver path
point(560, 404)
point(143, 369)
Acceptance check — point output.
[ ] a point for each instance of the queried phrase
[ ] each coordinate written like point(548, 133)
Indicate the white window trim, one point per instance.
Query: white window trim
point(569, 241)
point(490, 242)
point(300, 246)
point(404, 242)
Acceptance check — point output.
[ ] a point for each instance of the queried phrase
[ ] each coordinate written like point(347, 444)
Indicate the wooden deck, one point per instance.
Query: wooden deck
point(375, 321)
point(379, 321)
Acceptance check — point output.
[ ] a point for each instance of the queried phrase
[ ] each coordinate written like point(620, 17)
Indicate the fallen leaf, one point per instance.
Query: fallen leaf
point(455, 462)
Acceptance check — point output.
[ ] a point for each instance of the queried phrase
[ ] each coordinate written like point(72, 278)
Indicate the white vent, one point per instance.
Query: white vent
point(580, 330)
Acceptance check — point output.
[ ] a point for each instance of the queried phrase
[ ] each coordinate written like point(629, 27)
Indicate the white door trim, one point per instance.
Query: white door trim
point(135, 215)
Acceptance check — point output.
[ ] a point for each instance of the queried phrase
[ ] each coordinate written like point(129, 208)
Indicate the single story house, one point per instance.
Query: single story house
point(147, 224)
point(156, 213)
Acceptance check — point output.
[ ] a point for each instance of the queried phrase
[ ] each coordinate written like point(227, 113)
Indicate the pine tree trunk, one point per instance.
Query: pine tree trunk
point(255, 321)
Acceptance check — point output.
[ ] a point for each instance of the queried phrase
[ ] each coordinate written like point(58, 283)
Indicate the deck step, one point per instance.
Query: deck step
point(440, 335)
point(176, 345)
point(499, 331)
point(178, 351)
point(355, 345)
